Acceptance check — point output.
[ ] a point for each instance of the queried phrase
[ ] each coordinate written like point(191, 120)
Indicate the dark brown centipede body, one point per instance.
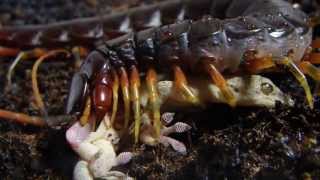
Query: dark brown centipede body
point(183, 33)
point(269, 27)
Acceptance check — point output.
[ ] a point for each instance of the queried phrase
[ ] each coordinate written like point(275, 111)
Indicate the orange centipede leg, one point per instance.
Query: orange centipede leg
point(35, 87)
point(86, 112)
point(115, 97)
point(154, 99)
point(296, 72)
point(135, 97)
point(312, 71)
point(220, 82)
point(124, 83)
point(22, 118)
point(181, 85)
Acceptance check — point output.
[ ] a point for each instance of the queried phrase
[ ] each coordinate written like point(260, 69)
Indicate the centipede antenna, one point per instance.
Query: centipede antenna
point(124, 83)
point(86, 112)
point(115, 89)
point(181, 85)
point(135, 97)
point(154, 99)
point(286, 61)
point(35, 87)
point(220, 82)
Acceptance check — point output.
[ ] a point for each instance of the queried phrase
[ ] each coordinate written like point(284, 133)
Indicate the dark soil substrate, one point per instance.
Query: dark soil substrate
point(240, 143)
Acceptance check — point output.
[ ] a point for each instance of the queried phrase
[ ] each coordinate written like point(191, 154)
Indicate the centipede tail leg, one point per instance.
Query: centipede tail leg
point(35, 87)
point(23, 55)
point(124, 83)
point(154, 99)
point(135, 97)
point(220, 82)
point(181, 85)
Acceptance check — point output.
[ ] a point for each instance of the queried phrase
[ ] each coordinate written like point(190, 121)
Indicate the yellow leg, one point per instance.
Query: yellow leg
point(23, 55)
point(86, 112)
point(220, 82)
point(115, 89)
point(154, 99)
point(124, 82)
point(312, 71)
point(254, 64)
point(299, 76)
point(135, 97)
point(35, 87)
point(181, 85)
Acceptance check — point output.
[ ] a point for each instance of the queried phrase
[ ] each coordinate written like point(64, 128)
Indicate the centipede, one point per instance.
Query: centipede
point(213, 38)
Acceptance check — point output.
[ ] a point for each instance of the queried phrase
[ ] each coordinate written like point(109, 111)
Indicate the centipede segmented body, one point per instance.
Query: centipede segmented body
point(204, 37)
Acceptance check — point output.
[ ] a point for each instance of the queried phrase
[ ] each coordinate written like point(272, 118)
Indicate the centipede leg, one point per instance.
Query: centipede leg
point(124, 83)
point(35, 86)
point(135, 97)
point(115, 88)
point(255, 65)
point(312, 71)
point(220, 82)
point(181, 85)
point(86, 112)
point(294, 69)
point(22, 56)
point(154, 99)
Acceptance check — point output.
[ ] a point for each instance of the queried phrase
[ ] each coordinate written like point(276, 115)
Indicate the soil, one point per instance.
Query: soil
point(224, 143)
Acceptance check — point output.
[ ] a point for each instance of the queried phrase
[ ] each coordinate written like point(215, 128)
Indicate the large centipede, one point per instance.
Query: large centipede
point(216, 38)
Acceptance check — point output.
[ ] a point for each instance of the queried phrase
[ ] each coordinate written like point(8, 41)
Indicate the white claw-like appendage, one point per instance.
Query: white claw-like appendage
point(124, 158)
point(178, 127)
point(181, 127)
point(167, 117)
point(175, 144)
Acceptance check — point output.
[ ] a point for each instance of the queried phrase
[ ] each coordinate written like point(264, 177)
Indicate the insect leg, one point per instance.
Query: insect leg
point(294, 69)
point(256, 65)
point(154, 99)
point(115, 97)
point(124, 83)
point(35, 53)
point(135, 97)
point(181, 85)
point(220, 82)
point(35, 87)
